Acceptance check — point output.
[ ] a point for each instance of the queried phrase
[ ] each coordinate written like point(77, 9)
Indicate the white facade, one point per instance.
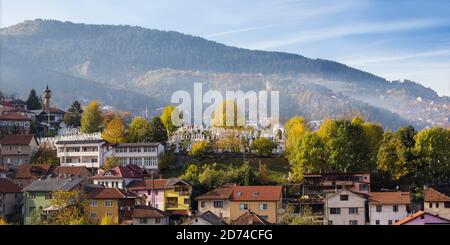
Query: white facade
point(386, 214)
point(345, 208)
point(144, 155)
point(87, 153)
point(151, 221)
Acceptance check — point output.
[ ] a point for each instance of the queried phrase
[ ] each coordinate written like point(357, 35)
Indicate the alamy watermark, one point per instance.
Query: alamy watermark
point(234, 109)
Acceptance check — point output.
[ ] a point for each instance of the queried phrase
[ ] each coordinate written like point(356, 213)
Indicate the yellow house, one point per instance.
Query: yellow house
point(177, 194)
point(230, 202)
point(111, 202)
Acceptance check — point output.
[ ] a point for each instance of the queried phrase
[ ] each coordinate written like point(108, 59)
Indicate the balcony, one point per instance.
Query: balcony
point(171, 205)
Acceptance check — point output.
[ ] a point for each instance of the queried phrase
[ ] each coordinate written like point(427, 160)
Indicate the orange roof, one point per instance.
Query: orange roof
point(389, 198)
point(13, 116)
point(416, 215)
point(256, 193)
point(110, 193)
point(147, 184)
point(432, 195)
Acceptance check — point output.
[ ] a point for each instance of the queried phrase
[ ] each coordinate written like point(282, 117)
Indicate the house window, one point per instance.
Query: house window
point(446, 204)
point(344, 197)
point(390, 222)
point(149, 149)
point(263, 206)
point(186, 201)
point(266, 217)
point(93, 215)
point(143, 220)
point(108, 203)
point(395, 208)
point(48, 196)
point(123, 161)
point(353, 210)
point(93, 203)
point(218, 204)
point(437, 205)
point(377, 222)
point(135, 161)
point(255, 194)
point(363, 187)
point(135, 149)
point(150, 161)
point(243, 206)
point(430, 205)
point(353, 222)
point(157, 220)
point(121, 149)
point(379, 208)
point(202, 204)
point(32, 196)
point(330, 222)
point(335, 211)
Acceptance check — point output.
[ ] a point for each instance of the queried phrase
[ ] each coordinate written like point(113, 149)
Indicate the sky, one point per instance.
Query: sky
point(393, 39)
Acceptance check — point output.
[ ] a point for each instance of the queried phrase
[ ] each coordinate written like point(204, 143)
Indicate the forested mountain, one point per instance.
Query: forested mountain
point(155, 63)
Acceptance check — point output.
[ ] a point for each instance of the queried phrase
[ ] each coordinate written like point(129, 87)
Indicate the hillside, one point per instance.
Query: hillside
point(155, 63)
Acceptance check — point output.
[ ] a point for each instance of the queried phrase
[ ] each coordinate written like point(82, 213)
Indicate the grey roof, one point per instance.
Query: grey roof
point(172, 181)
point(48, 185)
point(79, 142)
point(211, 218)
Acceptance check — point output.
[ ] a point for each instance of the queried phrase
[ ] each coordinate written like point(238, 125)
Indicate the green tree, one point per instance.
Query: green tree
point(432, 148)
point(114, 131)
point(33, 102)
point(310, 156)
point(166, 118)
point(157, 132)
point(392, 156)
point(263, 146)
point(166, 160)
point(191, 173)
point(73, 116)
point(110, 163)
point(91, 120)
point(200, 149)
point(139, 130)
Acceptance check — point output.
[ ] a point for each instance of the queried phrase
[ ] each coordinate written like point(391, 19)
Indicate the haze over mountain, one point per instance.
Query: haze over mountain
point(134, 68)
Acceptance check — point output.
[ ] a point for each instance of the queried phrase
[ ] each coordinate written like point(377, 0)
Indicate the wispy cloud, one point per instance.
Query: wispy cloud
point(409, 56)
point(304, 14)
point(347, 30)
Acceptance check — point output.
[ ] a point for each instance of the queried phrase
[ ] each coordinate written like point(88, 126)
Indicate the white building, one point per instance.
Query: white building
point(81, 150)
point(437, 201)
point(345, 208)
point(386, 208)
point(145, 155)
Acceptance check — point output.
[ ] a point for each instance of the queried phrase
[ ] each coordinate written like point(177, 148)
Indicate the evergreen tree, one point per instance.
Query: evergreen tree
point(157, 131)
point(33, 101)
point(73, 116)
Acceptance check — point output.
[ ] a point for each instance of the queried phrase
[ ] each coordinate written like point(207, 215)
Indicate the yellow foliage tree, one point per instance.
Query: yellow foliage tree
point(3, 222)
point(106, 220)
point(114, 131)
point(294, 128)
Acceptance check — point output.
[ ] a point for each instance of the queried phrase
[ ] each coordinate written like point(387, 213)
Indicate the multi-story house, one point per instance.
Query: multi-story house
point(38, 195)
point(386, 208)
point(118, 177)
point(329, 182)
point(81, 150)
point(147, 215)
point(14, 122)
point(18, 149)
point(250, 218)
point(145, 155)
point(230, 201)
point(177, 197)
point(437, 201)
point(114, 203)
point(345, 207)
point(423, 218)
point(10, 200)
point(25, 174)
point(151, 190)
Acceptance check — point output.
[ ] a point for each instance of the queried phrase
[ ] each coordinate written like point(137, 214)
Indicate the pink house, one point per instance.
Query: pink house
point(151, 190)
point(423, 218)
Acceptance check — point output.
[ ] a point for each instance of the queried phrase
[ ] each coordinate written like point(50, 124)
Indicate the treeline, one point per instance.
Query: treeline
point(342, 145)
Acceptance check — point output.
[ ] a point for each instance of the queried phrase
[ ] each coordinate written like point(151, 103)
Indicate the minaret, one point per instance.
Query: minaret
point(47, 96)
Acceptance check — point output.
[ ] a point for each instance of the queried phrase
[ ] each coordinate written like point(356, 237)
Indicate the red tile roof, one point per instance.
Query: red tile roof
point(71, 171)
point(7, 186)
point(110, 193)
point(147, 184)
point(415, 216)
point(27, 171)
point(17, 139)
point(256, 193)
point(389, 198)
point(223, 192)
point(432, 195)
point(13, 116)
point(128, 171)
point(250, 218)
point(148, 212)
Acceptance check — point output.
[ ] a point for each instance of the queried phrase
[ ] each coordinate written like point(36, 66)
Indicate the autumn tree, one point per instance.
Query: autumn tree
point(166, 118)
point(114, 131)
point(157, 131)
point(72, 118)
point(229, 142)
point(263, 174)
point(70, 208)
point(294, 129)
point(45, 155)
point(33, 102)
point(110, 163)
point(106, 220)
point(139, 130)
point(199, 149)
point(263, 146)
point(91, 120)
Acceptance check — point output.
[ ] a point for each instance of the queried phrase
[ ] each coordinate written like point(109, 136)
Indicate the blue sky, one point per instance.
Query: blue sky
point(394, 39)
